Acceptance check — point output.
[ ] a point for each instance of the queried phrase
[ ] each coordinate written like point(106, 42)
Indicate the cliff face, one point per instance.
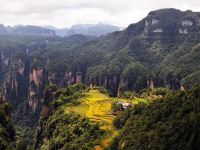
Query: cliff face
point(23, 83)
point(61, 79)
point(156, 51)
point(161, 50)
point(13, 78)
point(36, 85)
point(24, 71)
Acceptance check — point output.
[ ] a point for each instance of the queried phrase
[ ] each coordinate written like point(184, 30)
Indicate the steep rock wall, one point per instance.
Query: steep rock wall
point(35, 92)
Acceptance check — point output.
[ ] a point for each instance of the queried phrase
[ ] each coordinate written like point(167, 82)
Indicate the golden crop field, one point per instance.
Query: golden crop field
point(97, 107)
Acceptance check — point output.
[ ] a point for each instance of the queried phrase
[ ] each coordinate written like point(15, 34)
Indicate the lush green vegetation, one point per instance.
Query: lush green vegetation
point(171, 122)
point(125, 63)
point(68, 131)
point(96, 106)
point(60, 130)
point(7, 132)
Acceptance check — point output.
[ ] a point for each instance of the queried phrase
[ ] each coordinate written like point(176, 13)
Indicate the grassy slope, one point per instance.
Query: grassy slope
point(97, 107)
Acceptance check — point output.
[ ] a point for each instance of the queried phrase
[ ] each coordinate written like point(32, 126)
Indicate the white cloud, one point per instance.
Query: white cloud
point(63, 13)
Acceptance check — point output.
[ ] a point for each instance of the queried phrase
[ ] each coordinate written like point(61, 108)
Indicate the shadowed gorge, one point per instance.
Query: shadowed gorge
point(128, 89)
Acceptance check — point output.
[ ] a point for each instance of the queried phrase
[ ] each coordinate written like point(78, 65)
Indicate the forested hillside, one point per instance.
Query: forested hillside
point(7, 132)
point(161, 50)
point(169, 123)
point(60, 130)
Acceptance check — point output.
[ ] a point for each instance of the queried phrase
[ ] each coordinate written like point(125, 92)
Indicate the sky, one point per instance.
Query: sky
point(65, 13)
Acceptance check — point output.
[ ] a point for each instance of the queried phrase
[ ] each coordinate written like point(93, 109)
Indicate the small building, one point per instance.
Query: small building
point(125, 105)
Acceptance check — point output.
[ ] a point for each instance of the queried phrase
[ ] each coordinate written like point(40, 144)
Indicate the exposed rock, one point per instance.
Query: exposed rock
point(32, 98)
point(21, 67)
point(69, 77)
point(146, 23)
point(78, 78)
point(51, 78)
point(31, 92)
point(187, 23)
point(91, 85)
point(45, 111)
point(146, 27)
point(6, 61)
point(35, 83)
point(183, 31)
point(36, 76)
point(16, 87)
point(150, 84)
point(182, 88)
point(155, 21)
point(158, 30)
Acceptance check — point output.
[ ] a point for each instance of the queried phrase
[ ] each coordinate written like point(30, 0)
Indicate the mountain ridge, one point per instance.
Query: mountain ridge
point(86, 29)
point(29, 30)
point(161, 50)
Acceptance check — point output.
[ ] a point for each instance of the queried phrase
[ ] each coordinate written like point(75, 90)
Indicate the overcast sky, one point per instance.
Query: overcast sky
point(64, 13)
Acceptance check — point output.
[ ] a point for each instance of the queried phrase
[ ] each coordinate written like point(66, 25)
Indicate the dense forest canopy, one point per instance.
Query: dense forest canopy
point(169, 123)
point(149, 69)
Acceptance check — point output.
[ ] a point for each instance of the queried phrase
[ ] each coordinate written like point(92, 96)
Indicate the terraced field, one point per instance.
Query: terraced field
point(97, 107)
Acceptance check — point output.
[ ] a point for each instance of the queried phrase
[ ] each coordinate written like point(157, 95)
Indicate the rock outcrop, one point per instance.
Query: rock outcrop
point(36, 78)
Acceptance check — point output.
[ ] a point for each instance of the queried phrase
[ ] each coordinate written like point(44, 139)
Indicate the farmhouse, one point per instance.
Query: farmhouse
point(125, 105)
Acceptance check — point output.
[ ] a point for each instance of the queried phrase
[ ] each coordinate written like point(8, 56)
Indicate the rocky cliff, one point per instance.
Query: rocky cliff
point(160, 50)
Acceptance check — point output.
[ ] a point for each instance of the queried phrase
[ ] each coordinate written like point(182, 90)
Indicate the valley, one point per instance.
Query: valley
point(98, 110)
point(97, 107)
point(131, 89)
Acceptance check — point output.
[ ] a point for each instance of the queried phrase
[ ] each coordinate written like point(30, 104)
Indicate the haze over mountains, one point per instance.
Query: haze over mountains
point(84, 29)
point(163, 48)
point(25, 30)
point(42, 75)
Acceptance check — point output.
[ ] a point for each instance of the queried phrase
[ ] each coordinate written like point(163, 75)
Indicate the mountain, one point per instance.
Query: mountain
point(25, 30)
point(171, 122)
point(86, 29)
point(62, 32)
point(161, 50)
